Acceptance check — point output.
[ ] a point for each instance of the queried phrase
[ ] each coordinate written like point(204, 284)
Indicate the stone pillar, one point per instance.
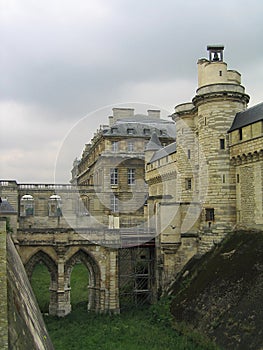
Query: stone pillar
point(94, 299)
point(63, 292)
point(3, 289)
point(60, 293)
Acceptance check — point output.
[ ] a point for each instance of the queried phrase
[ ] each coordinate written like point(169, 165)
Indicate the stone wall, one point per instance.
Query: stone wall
point(26, 326)
point(247, 160)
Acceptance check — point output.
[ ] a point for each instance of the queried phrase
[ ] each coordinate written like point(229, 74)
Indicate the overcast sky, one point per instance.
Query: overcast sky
point(66, 64)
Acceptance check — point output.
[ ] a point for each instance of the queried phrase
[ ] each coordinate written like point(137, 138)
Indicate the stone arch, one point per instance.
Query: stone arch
point(94, 276)
point(43, 257)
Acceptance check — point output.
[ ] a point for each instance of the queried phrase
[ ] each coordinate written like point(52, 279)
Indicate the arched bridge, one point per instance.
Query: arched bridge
point(60, 250)
point(58, 230)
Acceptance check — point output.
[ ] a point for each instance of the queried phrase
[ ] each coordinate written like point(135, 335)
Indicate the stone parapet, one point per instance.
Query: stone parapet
point(3, 289)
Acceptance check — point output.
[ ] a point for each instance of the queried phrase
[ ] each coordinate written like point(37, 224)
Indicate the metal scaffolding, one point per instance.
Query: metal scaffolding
point(136, 275)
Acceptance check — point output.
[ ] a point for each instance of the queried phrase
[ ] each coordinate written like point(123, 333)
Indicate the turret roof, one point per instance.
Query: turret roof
point(154, 144)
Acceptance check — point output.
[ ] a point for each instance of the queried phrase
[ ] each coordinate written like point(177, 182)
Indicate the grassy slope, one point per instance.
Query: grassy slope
point(137, 330)
point(221, 294)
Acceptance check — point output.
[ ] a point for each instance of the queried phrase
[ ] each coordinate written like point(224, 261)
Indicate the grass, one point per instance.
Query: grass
point(138, 329)
point(40, 282)
point(133, 330)
point(79, 285)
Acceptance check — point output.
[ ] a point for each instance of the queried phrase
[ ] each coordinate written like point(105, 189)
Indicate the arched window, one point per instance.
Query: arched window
point(27, 205)
point(55, 206)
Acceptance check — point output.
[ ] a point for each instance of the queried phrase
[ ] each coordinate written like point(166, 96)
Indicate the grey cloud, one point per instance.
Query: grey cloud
point(67, 60)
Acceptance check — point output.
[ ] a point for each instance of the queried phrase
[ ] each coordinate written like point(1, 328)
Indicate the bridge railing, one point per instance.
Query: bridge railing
point(123, 237)
point(50, 186)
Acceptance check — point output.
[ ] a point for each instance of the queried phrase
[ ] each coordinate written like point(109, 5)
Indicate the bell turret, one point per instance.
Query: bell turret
point(215, 53)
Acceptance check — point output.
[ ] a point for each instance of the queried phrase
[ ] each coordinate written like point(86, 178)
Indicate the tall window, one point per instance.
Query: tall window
point(240, 134)
point(210, 214)
point(130, 146)
point(188, 153)
point(114, 203)
point(114, 146)
point(188, 184)
point(114, 176)
point(131, 176)
point(222, 143)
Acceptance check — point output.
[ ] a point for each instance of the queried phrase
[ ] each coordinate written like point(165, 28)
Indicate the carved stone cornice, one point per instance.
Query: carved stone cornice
point(246, 158)
point(220, 95)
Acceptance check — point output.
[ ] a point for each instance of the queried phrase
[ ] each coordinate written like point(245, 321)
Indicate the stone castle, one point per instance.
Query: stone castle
point(159, 190)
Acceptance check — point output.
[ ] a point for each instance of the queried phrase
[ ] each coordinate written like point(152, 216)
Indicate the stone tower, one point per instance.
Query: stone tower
point(207, 179)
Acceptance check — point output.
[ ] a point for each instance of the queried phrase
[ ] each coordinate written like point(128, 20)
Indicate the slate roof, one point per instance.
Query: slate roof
point(140, 123)
point(154, 144)
point(247, 117)
point(165, 151)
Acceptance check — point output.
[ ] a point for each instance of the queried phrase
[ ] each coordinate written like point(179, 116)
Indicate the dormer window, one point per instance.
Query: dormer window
point(146, 131)
point(114, 130)
point(130, 131)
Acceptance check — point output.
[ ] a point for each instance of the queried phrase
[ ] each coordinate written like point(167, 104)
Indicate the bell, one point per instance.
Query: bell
point(216, 57)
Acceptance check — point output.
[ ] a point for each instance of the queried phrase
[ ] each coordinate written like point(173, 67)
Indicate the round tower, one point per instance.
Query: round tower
point(187, 184)
point(219, 97)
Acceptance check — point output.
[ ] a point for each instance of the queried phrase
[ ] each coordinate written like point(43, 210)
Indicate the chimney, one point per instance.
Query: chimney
point(110, 120)
point(122, 113)
point(154, 113)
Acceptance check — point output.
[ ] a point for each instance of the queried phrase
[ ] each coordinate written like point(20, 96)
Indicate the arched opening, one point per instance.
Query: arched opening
point(79, 282)
point(92, 269)
point(55, 206)
point(40, 282)
point(42, 273)
point(27, 205)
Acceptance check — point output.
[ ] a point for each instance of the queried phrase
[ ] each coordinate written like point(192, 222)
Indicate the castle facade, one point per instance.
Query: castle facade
point(181, 184)
point(208, 182)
